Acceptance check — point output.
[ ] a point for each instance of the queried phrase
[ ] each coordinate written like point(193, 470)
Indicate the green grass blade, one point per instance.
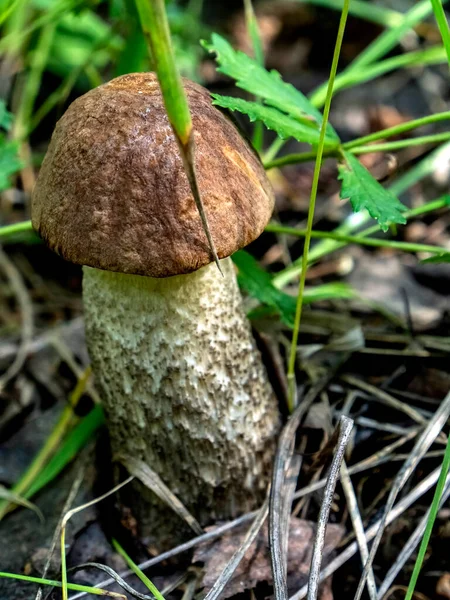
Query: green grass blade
point(351, 77)
point(430, 523)
point(66, 421)
point(137, 571)
point(155, 26)
point(441, 20)
point(14, 229)
point(71, 586)
point(389, 39)
point(314, 188)
point(72, 444)
point(367, 11)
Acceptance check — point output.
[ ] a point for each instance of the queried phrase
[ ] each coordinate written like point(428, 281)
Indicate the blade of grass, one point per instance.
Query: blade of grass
point(381, 15)
point(430, 522)
point(427, 437)
point(66, 519)
point(309, 226)
point(137, 571)
point(10, 230)
point(33, 82)
point(349, 78)
point(152, 14)
point(76, 440)
point(52, 15)
point(381, 46)
point(71, 586)
point(389, 39)
point(441, 20)
point(374, 51)
point(66, 421)
point(410, 546)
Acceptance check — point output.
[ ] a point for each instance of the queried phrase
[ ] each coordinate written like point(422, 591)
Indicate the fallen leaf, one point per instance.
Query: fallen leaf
point(443, 586)
point(255, 566)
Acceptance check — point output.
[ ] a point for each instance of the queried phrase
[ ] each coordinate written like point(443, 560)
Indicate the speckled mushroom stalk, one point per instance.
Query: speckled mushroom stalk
point(182, 382)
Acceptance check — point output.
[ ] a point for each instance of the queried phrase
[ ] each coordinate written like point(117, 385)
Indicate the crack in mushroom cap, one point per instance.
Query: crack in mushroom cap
point(112, 192)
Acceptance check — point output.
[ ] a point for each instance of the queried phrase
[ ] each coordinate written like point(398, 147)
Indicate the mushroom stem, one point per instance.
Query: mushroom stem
point(184, 389)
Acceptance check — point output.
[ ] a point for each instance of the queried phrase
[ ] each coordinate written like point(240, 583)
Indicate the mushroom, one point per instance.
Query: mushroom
point(182, 382)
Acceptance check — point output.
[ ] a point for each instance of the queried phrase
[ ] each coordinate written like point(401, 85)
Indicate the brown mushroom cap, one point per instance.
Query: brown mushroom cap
point(112, 192)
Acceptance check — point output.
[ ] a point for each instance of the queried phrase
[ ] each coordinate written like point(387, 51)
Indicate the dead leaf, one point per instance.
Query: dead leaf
point(255, 566)
point(443, 586)
point(386, 280)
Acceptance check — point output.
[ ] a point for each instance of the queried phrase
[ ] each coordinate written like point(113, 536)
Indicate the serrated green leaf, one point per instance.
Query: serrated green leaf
point(365, 192)
point(268, 85)
point(258, 284)
point(9, 162)
point(6, 118)
point(438, 258)
point(272, 118)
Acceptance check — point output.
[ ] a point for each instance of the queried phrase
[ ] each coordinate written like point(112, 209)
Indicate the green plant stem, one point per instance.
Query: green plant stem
point(62, 91)
point(65, 594)
point(399, 144)
point(355, 220)
point(430, 522)
point(364, 10)
point(56, 10)
point(33, 82)
point(155, 26)
point(389, 39)
point(376, 50)
point(22, 227)
point(441, 20)
point(397, 129)
point(313, 196)
point(429, 56)
point(71, 586)
point(354, 239)
point(303, 157)
point(381, 46)
point(137, 571)
point(67, 518)
point(66, 421)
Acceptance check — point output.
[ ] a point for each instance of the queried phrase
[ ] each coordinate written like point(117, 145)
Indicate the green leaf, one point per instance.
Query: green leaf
point(438, 258)
point(6, 118)
point(365, 192)
point(268, 85)
point(9, 162)
point(258, 283)
point(284, 125)
point(77, 439)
